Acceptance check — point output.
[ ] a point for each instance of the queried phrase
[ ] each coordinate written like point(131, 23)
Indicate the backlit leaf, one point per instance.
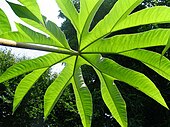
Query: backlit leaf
point(158, 14)
point(70, 12)
point(131, 77)
point(36, 37)
point(33, 7)
point(4, 23)
point(113, 99)
point(102, 39)
point(30, 65)
point(55, 90)
point(152, 60)
point(120, 11)
point(25, 85)
point(83, 98)
point(123, 43)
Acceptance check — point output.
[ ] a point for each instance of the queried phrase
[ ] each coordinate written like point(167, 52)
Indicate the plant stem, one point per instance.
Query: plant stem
point(11, 43)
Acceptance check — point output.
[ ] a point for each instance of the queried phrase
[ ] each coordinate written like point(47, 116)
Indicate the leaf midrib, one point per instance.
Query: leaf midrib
point(76, 88)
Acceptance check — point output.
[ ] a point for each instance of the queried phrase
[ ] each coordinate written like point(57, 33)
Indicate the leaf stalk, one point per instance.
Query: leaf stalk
point(10, 43)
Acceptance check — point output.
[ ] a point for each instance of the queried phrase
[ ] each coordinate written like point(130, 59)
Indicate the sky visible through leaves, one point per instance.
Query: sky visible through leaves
point(48, 8)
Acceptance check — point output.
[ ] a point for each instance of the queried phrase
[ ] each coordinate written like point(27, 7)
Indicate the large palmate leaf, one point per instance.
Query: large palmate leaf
point(91, 44)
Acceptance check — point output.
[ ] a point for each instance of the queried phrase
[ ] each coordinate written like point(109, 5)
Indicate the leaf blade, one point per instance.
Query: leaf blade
point(36, 37)
point(152, 15)
point(55, 90)
point(35, 19)
point(112, 19)
point(33, 7)
point(131, 77)
point(30, 65)
point(23, 12)
point(128, 42)
point(88, 9)
point(15, 36)
point(25, 85)
point(166, 47)
point(4, 23)
point(57, 33)
point(83, 98)
point(113, 99)
point(70, 12)
point(152, 60)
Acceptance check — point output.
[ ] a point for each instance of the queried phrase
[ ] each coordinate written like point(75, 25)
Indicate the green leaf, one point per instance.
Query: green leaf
point(16, 36)
point(131, 77)
point(113, 99)
point(112, 19)
point(158, 14)
point(55, 90)
point(35, 19)
point(166, 47)
point(4, 23)
point(23, 12)
point(70, 12)
point(42, 28)
point(90, 46)
point(152, 60)
point(36, 25)
point(83, 97)
point(30, 65)
point(36, 37)
point(57, 33)
point(29, 17)
point(33, 7)
point(25, 85)
point(88, 9)
point(128, 42)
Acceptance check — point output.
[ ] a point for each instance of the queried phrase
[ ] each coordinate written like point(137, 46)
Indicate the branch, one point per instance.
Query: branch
point(11, 43)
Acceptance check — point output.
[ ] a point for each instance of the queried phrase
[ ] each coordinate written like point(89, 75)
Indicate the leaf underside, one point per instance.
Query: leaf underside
point(90, 47)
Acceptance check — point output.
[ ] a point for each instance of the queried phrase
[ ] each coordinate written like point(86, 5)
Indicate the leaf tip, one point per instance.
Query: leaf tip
point(45, 116)
point(13, 110)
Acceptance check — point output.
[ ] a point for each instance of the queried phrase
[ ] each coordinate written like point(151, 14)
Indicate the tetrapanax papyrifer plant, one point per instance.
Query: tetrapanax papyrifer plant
point(91, 44)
